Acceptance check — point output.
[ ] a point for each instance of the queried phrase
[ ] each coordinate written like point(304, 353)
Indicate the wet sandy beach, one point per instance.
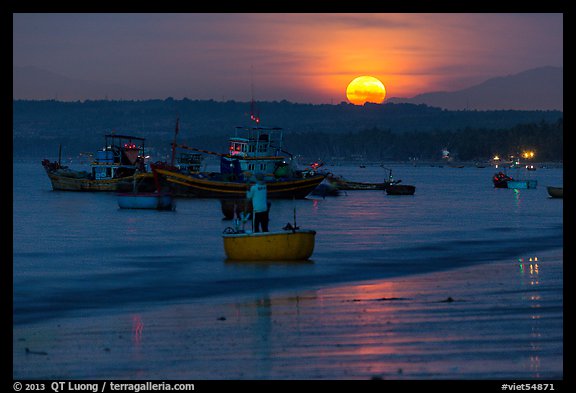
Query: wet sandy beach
point(501, 320)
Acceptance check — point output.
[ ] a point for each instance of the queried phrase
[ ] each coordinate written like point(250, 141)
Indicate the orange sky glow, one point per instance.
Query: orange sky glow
point(299, 57)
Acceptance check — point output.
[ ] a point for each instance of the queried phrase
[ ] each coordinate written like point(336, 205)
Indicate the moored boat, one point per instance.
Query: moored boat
point(146, 200)
point(120, 161)
point(285, 245)
point(252, 150)
point(393, 187)
point(555, 192)
point(400, 189)
point(344, 184)
point(215, 185)
point(501, 180)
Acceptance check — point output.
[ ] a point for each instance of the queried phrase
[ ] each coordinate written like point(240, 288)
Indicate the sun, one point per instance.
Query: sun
point(365, 89)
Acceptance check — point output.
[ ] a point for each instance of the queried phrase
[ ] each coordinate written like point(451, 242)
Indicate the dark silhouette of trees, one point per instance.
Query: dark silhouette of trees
point(468, 144)
point(373, 131)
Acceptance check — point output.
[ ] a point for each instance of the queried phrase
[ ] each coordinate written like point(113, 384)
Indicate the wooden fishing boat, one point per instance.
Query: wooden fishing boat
point(117, 164)
point(343, 184)
point(391, 186)
point(252, 150)
point(400, 189)
point(215, 185)
point(286, 245)
point(146, 200)
point(555, 192)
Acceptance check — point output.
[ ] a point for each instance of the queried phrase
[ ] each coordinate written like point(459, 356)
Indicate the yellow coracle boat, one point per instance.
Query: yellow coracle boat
point(287, 245)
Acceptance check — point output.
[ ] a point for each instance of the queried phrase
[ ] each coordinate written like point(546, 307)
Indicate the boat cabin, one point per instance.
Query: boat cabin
point(189, 162)
point(121, 156)
point(255, 149)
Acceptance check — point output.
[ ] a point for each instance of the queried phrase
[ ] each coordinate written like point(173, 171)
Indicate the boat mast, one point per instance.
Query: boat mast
point(254, 115)
point(174, 143)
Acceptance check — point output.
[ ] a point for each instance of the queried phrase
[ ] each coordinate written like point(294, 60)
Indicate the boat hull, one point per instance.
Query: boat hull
point(67, 183)
point(556, 192)
point(351, 185)
point(270, 246)
point(152, 201)
point(205, 187)
point(403, 189)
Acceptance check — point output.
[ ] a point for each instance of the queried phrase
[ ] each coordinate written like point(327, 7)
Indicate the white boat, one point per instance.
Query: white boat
point(146, 200)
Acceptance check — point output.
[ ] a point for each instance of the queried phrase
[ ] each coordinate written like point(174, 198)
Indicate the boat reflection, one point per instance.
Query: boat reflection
point(137, 329)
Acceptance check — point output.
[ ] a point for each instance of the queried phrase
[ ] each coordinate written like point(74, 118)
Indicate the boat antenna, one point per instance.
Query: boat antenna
point(389, 174)
point(254, 113)
point(174, 143)
point(294, 228)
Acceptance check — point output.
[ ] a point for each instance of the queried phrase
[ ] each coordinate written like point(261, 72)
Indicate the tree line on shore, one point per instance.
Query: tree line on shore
point(371, 132)
point(468, 144)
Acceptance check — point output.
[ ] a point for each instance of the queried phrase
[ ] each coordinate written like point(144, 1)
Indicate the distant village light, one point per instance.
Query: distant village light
point(528, 154)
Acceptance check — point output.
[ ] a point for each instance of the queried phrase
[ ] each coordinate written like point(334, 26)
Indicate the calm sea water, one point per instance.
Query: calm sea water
point(78, 253)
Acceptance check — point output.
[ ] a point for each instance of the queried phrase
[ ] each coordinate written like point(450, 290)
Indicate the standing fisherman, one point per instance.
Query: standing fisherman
point(260, 207)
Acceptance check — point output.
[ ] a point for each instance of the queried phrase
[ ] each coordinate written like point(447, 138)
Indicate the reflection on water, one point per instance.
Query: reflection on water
point(401, 329)
point(529, 279)
point(430, 326)
point(517, 197)
point(529, 270)
point(137, 329)
point(165, 276)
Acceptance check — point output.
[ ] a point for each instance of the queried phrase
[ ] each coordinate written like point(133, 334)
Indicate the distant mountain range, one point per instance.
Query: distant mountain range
point(535, 89)
point(32, 83)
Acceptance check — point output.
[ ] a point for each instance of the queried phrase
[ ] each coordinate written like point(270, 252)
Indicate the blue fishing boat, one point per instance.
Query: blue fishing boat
point(252, 150)
point(146, 200)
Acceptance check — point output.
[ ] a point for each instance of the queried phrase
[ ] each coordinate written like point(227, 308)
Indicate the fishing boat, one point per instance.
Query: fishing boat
point(391, 186)
point(285, 245)
point(120, 161)
point(289, 244)
point(344, 184)
point(502, 180)
point(555, 192)
point(400, 189)
point(252, 150)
